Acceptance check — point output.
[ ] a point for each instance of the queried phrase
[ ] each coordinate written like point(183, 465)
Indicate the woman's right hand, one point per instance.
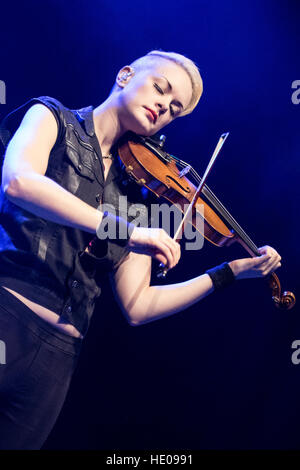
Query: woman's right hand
point(156, 243)
point(259, 266)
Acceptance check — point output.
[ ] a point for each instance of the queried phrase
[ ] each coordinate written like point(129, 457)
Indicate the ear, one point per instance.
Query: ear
point(124, 76)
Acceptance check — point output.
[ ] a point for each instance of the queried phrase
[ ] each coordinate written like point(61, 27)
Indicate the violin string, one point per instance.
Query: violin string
point(222, 209)
point(228, 217)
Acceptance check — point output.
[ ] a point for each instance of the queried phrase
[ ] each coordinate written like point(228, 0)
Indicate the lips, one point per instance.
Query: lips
point(153, 113)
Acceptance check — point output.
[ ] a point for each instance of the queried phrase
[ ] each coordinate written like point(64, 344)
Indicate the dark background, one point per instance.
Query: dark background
point(218, 375)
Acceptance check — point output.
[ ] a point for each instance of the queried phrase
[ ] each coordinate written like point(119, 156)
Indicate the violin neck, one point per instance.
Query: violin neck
point(252, 249)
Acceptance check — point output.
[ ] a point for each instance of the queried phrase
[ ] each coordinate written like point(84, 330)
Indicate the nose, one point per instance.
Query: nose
point(161, 108)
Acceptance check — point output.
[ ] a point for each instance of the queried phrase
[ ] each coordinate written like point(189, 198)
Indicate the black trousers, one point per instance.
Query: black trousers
point(36, 365)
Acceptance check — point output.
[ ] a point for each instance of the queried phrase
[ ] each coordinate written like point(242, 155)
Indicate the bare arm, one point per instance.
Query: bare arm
point(142, 303)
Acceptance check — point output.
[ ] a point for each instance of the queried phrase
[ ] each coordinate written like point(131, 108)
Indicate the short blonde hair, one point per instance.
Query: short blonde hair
point(187, 64)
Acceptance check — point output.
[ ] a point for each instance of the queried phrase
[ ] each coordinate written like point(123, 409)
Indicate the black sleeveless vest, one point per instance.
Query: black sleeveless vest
point(47, 262)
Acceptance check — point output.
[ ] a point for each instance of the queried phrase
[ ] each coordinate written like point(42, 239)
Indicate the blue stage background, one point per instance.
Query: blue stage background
point(218, 375)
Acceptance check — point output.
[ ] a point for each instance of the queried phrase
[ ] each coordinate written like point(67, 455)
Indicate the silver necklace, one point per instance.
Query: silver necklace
point(110, 155)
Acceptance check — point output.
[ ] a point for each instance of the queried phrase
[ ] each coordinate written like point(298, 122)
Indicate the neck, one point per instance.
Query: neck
point(107, 125)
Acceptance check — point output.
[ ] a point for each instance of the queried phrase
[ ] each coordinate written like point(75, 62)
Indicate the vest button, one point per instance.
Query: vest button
point(98, 197)
point(79, 167)
point(74, 283)
point(69, 309)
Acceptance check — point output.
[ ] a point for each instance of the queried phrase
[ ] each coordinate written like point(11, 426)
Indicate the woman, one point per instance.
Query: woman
point(54, 164)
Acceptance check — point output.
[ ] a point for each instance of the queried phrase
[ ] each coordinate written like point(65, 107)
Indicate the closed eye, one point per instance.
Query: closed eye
point(157, 87)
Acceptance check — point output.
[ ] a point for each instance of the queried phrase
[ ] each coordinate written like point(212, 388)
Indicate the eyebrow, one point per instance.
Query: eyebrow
point(170, 88)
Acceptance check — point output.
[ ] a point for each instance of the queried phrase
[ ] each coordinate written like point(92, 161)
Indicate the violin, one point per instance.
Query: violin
point(148, 164)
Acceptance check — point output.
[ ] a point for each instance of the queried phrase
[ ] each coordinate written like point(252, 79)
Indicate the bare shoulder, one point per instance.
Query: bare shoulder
point(37, 125)
point(29, 148)
point(36, 115)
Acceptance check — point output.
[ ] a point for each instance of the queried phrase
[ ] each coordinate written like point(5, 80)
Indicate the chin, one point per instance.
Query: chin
point(140, 124)
point(139, 128)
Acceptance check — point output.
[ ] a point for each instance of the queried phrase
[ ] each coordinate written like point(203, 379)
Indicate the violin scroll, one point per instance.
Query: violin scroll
point(285, 300)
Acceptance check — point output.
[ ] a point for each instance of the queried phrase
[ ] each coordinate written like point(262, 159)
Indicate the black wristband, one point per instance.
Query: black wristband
point(221, 276)
point(114, 228)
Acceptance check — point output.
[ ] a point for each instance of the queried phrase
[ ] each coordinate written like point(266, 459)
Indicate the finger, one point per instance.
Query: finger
point(173, 247)
point(160, 248)
point(278, 265)
point(178, 251)
point(273, 264)
point(259, 264)
point(273, 258)
point(161, 258)
point(268, 250)
point(257, 261)
point(263, 249)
